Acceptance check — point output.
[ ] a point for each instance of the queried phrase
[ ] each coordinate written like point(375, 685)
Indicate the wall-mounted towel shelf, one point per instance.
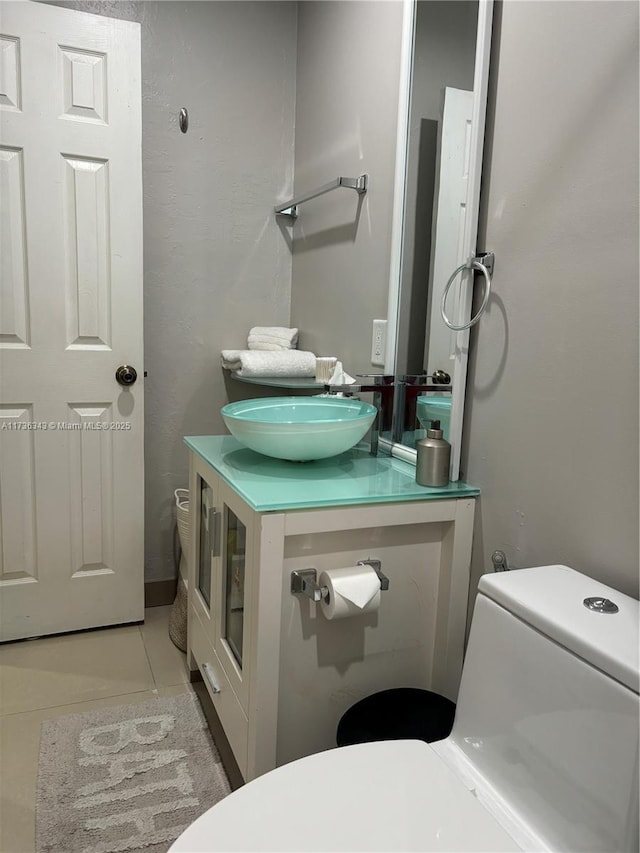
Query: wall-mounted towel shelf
point(291, 382)
point(290, 208)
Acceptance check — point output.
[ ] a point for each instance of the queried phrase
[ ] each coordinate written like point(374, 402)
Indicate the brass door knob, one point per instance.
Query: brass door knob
point(126, 375)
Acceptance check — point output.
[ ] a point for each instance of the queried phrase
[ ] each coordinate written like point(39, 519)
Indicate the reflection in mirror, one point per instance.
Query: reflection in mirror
point(442, 67)
point(439, 222)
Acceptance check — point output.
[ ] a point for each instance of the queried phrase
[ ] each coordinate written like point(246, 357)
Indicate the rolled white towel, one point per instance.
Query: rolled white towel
point(231, 358)
point(272, 338)
point(258, 363)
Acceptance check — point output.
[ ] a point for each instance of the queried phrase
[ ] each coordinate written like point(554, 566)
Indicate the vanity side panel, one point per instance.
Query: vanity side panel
point(327, 666)
point(265, 644)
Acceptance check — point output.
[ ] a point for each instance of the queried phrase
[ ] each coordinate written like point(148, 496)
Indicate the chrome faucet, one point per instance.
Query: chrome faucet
point(409, 388)
point(382, 387)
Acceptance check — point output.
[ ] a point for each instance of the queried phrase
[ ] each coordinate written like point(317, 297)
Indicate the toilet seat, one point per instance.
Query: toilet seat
point(387, 795)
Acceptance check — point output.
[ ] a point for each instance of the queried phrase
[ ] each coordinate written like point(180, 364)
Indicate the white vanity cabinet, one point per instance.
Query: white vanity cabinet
point(221, 587)
point(279, 673)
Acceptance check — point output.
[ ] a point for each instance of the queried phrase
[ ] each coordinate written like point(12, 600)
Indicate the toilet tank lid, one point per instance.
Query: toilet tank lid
point(550, 599)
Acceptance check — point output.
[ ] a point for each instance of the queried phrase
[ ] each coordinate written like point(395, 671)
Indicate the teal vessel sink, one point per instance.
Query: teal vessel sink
point(435, 409)
point(299, 428)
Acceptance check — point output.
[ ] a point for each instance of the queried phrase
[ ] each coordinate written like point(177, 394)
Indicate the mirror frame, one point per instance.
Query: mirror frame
point(480, 87)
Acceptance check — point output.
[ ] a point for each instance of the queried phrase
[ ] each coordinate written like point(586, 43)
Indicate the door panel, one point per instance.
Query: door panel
point(88, 296)
point(71, 438)
point(14, 293)
point(18, 518)
point(91, 478)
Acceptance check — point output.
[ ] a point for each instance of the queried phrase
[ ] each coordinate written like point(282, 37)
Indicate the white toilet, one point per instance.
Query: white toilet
point(543, 754)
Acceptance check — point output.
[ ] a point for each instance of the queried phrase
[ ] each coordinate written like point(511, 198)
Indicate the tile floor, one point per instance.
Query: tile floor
point(64, 675)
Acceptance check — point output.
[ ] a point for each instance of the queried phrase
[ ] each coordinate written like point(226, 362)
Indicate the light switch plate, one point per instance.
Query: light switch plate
point(378, 343)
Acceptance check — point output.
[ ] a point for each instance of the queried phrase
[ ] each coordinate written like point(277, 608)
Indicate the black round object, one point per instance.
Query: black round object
point(398, 714)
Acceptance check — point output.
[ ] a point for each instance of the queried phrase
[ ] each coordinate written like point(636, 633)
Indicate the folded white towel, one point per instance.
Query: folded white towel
point(272, 338)
point(263, 363)
point(261, 344)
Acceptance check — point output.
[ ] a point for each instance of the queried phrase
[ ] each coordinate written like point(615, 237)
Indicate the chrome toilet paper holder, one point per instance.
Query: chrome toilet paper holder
point(305, 581)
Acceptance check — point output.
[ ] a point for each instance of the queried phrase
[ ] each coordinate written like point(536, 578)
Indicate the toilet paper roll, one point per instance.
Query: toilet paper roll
point(352, 591)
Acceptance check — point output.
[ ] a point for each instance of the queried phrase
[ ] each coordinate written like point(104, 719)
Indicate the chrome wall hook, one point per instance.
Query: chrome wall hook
point(183, 120)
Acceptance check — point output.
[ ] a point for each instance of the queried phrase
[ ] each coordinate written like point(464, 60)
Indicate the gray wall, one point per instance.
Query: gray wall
point(551, 431)
point(346, 118)
point(215, 261)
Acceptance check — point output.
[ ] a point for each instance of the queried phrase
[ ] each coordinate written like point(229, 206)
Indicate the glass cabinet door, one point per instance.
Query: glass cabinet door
point(234, 577)
point(204, 556)
point(221, 574)
point(232, 591)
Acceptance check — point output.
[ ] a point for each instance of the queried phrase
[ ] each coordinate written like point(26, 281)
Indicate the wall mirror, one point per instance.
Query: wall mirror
point(443, 94)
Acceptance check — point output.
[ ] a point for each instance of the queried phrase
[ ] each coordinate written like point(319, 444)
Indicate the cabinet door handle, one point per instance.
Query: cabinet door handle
point(208, 674)
point(214, 531)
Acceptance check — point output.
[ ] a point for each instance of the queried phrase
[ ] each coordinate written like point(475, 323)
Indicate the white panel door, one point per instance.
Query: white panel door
point(454, 152)
point(71, 437)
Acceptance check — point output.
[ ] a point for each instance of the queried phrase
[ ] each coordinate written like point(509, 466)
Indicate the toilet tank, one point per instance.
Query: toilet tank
point(546, 728)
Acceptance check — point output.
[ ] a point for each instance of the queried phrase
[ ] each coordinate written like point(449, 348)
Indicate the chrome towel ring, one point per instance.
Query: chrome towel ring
point(486, 269)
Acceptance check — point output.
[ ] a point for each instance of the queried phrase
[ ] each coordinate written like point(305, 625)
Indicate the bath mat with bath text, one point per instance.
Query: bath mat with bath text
point(125, 778)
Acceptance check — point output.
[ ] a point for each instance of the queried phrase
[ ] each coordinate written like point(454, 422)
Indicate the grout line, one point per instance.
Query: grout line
point(77, 702)
point(146, 653)
point(173, 651)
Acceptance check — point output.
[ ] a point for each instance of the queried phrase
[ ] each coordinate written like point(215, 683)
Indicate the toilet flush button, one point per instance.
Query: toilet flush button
point(600, 605)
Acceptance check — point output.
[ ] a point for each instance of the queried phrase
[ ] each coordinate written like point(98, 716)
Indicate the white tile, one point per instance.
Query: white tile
point(78, 667)
point(168, 663)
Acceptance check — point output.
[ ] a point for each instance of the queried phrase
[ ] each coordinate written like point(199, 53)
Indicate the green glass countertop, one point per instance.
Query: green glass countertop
point(354, 477)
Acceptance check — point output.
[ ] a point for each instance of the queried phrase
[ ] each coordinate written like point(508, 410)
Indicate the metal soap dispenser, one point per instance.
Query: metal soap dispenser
point(432, 458)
